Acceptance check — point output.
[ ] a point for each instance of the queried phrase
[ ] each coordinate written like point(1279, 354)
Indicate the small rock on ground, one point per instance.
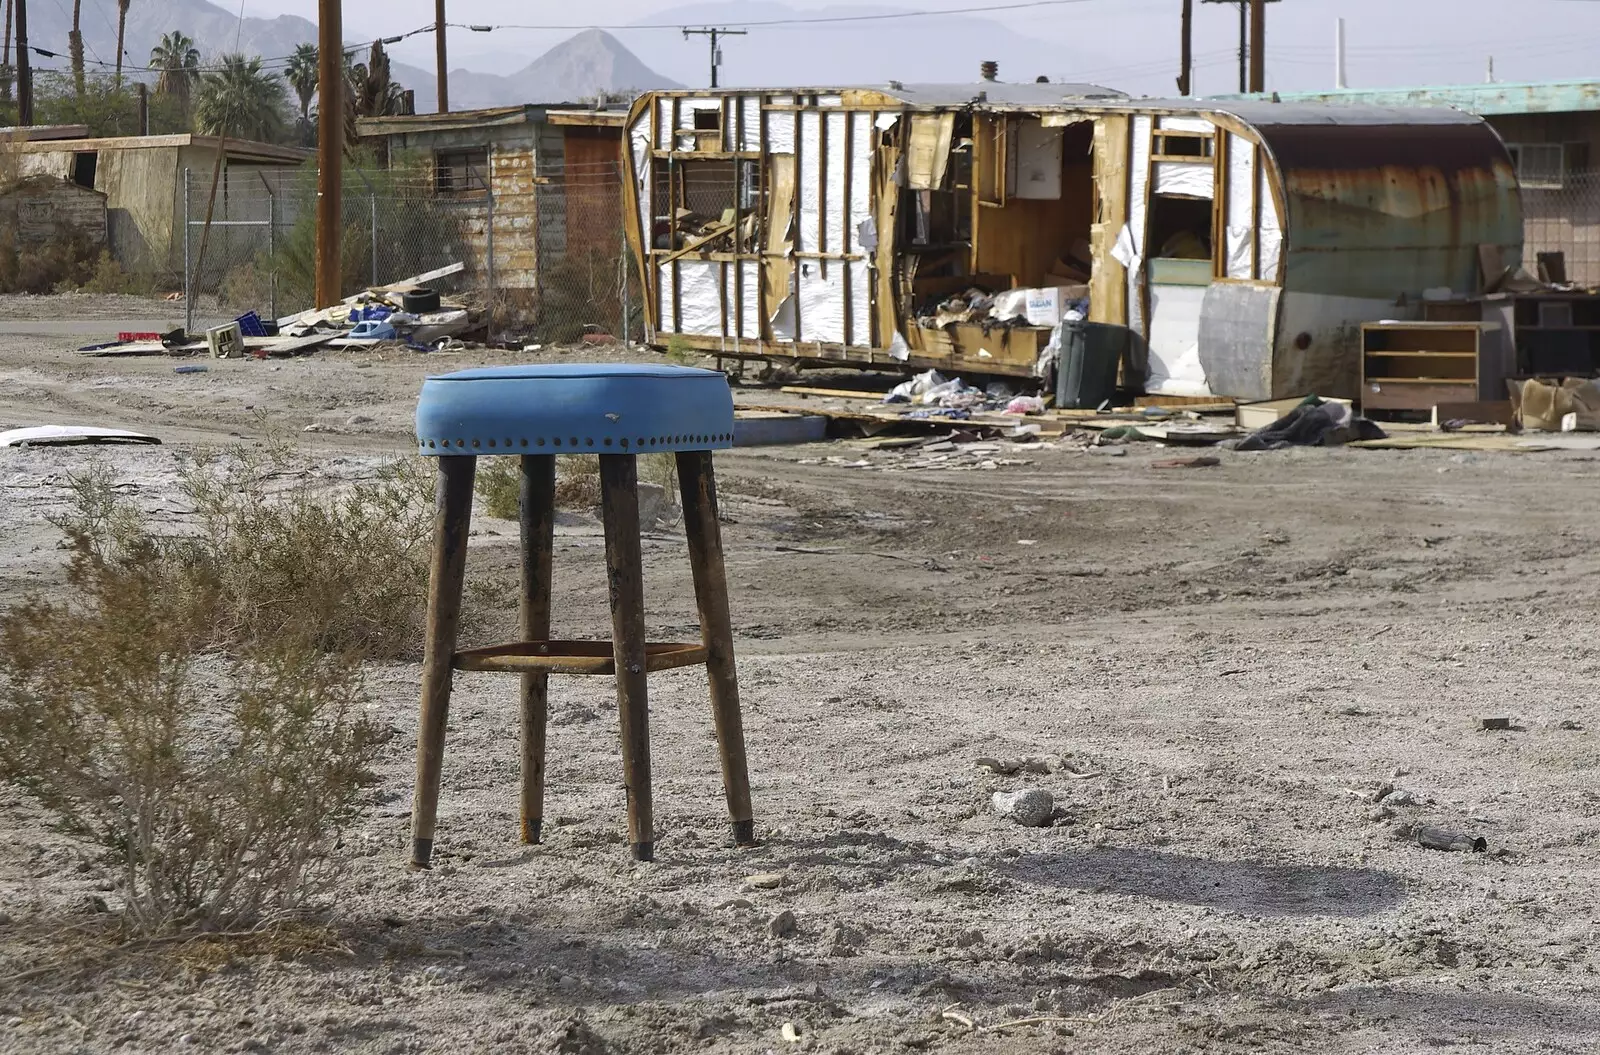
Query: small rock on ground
point(782, 925)
point(1031, 807)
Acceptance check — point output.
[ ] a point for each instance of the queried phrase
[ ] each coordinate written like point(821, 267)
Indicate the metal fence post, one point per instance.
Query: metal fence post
point(372, 201)
point(627, 306)
point(488, 251)
point(188, 282)
point(272, 253)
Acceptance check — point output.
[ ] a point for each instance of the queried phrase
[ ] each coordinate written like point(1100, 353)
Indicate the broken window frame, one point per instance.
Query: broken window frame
point(1162, 140)
point(1534, 176)
point(461, 173)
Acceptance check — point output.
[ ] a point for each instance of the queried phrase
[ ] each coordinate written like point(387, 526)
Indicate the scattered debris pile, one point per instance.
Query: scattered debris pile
point(408, 313)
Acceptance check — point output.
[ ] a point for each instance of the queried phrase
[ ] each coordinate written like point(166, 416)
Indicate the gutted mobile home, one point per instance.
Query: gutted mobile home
point(1241, 243)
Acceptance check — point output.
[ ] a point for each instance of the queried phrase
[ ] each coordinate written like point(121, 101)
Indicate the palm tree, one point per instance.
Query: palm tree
point(241, 100)
point(178, 61)
point(122, 32)
point(301, 73)
point(369, 92)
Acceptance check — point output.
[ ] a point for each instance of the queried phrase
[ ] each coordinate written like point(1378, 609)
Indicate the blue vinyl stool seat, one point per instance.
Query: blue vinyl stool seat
point(616, 412)
point(575, 408)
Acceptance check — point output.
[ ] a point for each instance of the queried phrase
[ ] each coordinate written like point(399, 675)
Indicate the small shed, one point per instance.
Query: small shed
point(44, 210)
point(141, 178)
point(532, 184)
point(1241, 244)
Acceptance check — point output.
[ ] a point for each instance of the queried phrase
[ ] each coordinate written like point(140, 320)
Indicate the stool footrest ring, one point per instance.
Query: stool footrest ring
point(572, 657)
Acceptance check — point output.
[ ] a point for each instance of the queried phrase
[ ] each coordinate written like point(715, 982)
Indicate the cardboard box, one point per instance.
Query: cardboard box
point(1044, 306)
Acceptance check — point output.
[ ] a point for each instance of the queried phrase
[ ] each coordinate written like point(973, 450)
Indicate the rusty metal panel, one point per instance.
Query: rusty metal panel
point(1380, 210)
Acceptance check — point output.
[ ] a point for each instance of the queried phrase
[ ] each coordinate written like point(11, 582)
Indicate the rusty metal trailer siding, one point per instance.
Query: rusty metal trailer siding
point(1379, 206)
point(1374, 210)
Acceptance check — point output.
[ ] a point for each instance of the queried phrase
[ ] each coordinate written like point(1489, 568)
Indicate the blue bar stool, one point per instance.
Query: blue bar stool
point(536, 413)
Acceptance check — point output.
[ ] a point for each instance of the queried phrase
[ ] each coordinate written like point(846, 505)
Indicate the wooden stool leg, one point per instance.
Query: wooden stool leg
point(452, 520)
point(699, 487)
point(619, 499)
point(538, 516)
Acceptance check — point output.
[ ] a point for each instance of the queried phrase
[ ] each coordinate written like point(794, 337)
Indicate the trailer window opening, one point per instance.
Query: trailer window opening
point(1184, 145)
point(696, 197)
point(1180, 228)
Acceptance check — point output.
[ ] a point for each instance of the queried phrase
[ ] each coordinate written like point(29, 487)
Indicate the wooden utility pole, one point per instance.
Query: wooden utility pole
point(714, 33)
point(1258, 45)
point(24, 70)
point(441, 60)
point(5, 58)
point(330, 150)
point(1186, 49)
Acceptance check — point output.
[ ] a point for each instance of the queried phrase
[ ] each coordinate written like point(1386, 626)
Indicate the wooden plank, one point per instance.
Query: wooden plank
point(1220, 187)
point(847, 232)
point(777, 267)
point(822, 183)
point(1480, 412)
point(1199, 404)
point(798, 235)
point(928, 150)
point(394, 287)
point(1255, 211)
point(711, 236)
point(829, 393)
point(707, 155)
point(763, 223)
point(1108, 282)
point(1415, 395)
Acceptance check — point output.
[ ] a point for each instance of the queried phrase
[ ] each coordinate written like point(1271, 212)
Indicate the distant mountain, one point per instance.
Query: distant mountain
point(577, 68)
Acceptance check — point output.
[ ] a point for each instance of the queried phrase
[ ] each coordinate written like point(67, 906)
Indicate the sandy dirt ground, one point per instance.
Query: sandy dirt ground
point(1218, 667)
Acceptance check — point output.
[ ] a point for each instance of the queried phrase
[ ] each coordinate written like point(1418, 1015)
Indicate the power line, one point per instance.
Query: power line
point(764, 23)
point(276, 62)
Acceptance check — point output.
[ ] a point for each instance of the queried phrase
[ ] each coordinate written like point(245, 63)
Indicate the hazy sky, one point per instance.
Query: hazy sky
point(1126, 44)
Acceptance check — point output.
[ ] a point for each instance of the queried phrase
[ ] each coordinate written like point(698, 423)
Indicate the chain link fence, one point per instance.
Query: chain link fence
point(1566, 220)
point(587, 280)
point(544, 262)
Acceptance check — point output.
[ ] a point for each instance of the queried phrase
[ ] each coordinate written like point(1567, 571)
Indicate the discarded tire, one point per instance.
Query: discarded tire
point(419, 301)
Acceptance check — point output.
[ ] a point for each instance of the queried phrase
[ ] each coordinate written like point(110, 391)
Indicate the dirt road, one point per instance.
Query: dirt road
point(1219, 665)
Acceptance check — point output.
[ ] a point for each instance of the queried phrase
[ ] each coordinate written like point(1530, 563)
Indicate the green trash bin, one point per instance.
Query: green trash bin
point(1086, 373)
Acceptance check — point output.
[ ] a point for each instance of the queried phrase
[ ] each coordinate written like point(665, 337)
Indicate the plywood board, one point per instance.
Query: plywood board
point(777, 270)
point(1108, 290)
point(928, 150)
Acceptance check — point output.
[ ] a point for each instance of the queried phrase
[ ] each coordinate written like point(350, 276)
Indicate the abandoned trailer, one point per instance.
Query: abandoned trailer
point(1240, 244)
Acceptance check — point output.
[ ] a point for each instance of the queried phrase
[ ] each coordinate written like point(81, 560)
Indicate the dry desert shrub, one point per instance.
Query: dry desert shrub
point(193, 703)
point(344, 568)
point(216, 783)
